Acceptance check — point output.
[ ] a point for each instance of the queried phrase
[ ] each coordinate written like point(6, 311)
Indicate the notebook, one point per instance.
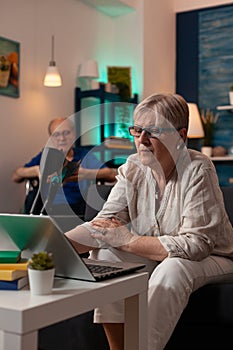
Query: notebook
point(36, 233)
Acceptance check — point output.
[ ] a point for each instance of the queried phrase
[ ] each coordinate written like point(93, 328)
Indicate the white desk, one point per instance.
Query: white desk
point(22, 315)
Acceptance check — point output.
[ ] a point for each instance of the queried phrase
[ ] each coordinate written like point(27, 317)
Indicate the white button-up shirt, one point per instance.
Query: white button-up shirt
point(190, 221)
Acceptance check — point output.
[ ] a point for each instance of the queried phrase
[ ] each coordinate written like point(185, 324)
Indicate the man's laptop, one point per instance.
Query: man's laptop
point(36, 233)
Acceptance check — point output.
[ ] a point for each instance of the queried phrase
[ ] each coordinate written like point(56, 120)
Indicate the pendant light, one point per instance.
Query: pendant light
point(52, 77)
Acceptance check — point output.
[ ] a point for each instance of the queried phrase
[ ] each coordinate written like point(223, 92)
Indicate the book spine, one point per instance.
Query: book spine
point(10, 256)
point(10, 275)
point(15, 266)
point(14, 285)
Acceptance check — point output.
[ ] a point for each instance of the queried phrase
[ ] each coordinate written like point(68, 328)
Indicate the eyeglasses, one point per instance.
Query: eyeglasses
point(64, 133)
point(152, 132)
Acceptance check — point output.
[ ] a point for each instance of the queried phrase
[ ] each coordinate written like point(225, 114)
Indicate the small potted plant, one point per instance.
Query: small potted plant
point(209, 119)
point(41, 272)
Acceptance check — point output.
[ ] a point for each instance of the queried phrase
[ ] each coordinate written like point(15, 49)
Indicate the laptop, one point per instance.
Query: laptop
point(35, 233)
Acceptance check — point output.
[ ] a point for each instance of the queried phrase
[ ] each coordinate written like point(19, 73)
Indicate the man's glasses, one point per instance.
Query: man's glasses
point(64, 133)
point(152, 132)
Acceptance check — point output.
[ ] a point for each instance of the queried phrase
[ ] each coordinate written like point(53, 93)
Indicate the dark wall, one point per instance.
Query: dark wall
point(187, 55)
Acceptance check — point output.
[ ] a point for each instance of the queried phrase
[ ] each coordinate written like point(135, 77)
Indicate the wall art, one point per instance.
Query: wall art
point(9, 67)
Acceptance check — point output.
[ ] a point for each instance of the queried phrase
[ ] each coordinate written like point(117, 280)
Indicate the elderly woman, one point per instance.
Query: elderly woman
point(167, 211)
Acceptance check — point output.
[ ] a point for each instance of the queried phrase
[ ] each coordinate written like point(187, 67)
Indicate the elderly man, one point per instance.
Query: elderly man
point(73, 190)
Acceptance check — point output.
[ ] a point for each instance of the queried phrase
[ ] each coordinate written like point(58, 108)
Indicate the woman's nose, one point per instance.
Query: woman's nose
point(144, 137)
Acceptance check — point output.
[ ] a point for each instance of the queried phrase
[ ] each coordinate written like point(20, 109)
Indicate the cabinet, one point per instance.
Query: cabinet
point(224, 165)
point(106, 123)
point(224, 168)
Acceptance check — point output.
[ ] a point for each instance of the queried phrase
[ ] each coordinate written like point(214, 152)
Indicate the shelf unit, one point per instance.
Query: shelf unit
point(224, 168)
point(224, 165)
point(102, 97)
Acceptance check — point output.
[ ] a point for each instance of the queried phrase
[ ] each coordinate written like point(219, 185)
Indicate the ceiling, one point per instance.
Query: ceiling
point(112, 8)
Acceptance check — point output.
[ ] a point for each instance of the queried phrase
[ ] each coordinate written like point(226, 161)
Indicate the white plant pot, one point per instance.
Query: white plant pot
point(231, 97)
point(41, 282)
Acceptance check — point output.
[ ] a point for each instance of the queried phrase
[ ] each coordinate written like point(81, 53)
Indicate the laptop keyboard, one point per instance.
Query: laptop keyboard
point(102, 268)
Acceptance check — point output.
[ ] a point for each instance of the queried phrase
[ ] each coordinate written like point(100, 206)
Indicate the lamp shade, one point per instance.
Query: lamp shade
point(52, 77)
point(195, 129)
point(89, 69)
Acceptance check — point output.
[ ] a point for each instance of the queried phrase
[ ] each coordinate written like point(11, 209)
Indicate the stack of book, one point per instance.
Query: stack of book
point(13, 270)
point(118, 142)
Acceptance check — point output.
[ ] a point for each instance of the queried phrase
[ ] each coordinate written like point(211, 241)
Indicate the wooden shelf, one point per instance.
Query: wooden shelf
point(225, 108)
point(222, 159)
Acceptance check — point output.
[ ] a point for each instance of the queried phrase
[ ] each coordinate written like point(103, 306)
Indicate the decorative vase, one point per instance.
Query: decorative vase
point(41, 282)
point(207, 150)
point(231, 97)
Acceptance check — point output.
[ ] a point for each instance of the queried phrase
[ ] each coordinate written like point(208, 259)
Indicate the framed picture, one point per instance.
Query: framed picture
point(9, 67)
point(121, 77)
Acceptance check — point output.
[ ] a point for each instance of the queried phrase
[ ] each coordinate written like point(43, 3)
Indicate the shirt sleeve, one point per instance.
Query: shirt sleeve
point(34, 161)
point(90, 161)
point(203, 219)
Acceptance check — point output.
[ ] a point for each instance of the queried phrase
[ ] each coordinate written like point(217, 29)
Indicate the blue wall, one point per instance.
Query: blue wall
point(205, 68)
point(216, 68)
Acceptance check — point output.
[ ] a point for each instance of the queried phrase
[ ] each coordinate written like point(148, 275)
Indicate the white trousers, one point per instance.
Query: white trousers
point(170, 284)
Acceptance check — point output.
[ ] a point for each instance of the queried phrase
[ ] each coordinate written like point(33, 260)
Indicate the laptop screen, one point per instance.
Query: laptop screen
point(34, 233)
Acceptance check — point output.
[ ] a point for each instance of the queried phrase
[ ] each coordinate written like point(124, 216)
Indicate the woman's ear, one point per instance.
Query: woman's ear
point(183, 134)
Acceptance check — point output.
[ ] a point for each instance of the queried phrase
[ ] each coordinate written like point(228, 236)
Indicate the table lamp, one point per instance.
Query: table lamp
point(195, 130)
point(89, 71)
